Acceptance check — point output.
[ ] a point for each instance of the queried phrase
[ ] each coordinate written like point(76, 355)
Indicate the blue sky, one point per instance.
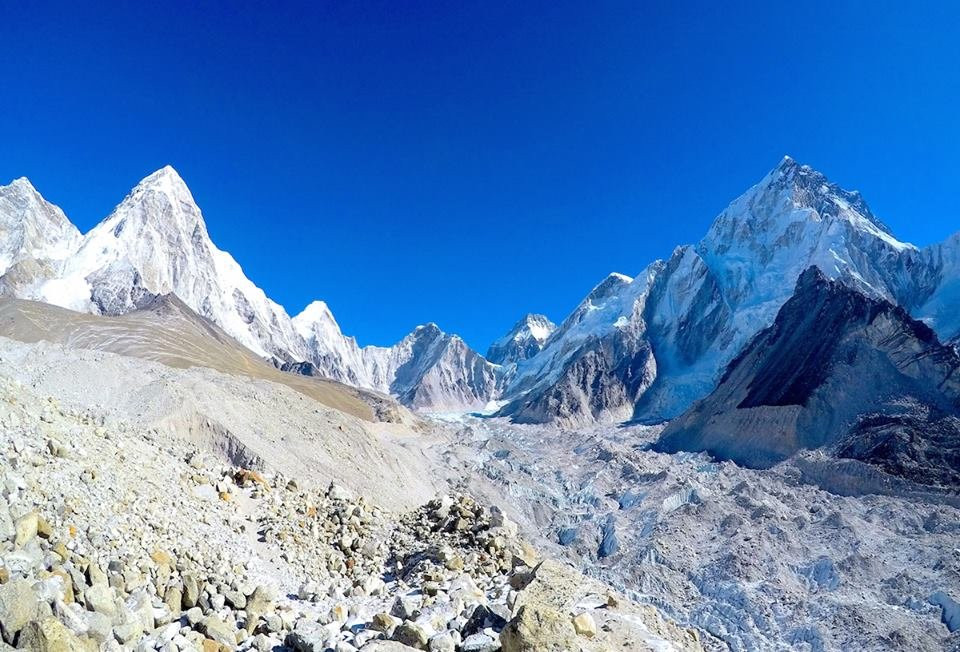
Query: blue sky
point(466, 163)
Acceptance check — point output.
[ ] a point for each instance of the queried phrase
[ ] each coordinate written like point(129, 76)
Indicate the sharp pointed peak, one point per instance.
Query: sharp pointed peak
point(166, 180)
point(314, 311)
point(22, 185)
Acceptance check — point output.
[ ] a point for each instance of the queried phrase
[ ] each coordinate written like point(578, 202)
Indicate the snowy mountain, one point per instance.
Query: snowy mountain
point(523, 341)
point(641, 348)
point(792, 388)
point(155, 242)
point(432, 369)
point(595, 366)
point(647, 348)
point(35, 237)
point(332, 354)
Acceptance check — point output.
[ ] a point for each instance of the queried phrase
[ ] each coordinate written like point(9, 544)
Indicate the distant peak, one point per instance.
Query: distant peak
point(22, 182)
point(22, 185)
point(165, 180)
point(609, 285)
point(314, 312)
point(802, 186)
point(429, 327)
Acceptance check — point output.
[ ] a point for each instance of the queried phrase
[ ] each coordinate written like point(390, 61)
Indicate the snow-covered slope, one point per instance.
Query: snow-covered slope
point(35, 237)
point(793, 388)
point(681, 321)
point(523, 341)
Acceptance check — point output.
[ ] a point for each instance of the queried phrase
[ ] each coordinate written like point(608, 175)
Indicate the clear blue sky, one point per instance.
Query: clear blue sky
point(466, 163)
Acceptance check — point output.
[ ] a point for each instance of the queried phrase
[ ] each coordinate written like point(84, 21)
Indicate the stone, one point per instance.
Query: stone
point(7, 529)
point(585, 625)
point(411, 634)
point(95, 574)
point(99, 627)
point(214, 628)
point(191, 591)
point(50, 635)
point(442, 642)
point(210, 645)
point(384, 622)
point(386, 646)
point(258, 604)
point(538, 628)
point(127, 632)
point(308, 636)
point(173, 599)
point(194, 615)
point(101, 598)
point(26, 528)
point(479, 643)
point(235, 598)
point(19, 605)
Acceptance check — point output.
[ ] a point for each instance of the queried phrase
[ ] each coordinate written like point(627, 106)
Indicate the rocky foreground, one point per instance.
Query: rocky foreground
point(112, 537)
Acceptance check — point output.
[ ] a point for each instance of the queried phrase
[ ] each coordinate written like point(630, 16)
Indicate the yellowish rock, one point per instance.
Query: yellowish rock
point(585, 625)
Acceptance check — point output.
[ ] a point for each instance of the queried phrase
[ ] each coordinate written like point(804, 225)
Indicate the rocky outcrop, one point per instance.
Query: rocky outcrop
point(35, 238)
point(831, 358)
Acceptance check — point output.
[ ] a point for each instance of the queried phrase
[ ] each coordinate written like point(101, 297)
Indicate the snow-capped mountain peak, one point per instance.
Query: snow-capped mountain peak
point(32, 229)
point(316, 317)
point(524, 340)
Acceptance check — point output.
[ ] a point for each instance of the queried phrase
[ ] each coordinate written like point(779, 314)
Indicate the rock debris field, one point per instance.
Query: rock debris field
point(113, 537)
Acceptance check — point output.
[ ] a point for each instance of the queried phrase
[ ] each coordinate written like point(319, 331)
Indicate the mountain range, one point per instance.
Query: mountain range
point(641, 348)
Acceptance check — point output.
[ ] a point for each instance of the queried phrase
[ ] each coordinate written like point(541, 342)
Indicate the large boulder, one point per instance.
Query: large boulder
point(50, 635)
point(19, 605)
point(561, 609)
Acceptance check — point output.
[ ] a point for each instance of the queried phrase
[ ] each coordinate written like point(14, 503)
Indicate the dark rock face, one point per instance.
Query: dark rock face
point(831, 358)
point(606, 378)
point(923, 447)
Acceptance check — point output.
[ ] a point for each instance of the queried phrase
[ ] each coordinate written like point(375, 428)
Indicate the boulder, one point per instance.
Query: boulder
point(50, 635)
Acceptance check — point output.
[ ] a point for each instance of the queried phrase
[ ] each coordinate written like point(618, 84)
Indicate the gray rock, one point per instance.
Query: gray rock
point(479, 643)
point(101, 598)
point(309, 637)
point(411, 634)
point(50, 635)
point(442, 642)
point(18, 606)
point(214, 628)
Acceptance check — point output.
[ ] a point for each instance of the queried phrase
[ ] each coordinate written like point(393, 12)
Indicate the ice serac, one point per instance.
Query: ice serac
point(156, 242)
point(685, 319)
point(877, 389)
point(435, 370)
point(35, 238)
point(523, 341)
